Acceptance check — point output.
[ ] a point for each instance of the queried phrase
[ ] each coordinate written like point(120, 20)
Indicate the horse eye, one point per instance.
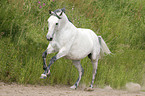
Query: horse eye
point(56, 23)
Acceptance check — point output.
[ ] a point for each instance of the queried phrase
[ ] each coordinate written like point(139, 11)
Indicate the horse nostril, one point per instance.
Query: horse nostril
point(50, 39)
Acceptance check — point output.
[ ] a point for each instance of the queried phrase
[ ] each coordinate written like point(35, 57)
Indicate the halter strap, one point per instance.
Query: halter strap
point(58, 10)
point(56, 16)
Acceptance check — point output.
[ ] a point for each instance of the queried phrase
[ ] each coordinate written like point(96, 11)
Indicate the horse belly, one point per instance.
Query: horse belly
point(81, 47)
point(77, 55)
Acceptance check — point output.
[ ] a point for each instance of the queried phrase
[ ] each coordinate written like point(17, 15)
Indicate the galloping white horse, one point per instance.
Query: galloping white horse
point(72, 43)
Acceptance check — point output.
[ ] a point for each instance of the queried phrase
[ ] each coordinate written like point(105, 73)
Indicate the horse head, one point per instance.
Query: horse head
point(54, 22)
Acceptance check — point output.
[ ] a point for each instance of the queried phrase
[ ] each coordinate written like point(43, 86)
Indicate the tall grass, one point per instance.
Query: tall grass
point(22, 41)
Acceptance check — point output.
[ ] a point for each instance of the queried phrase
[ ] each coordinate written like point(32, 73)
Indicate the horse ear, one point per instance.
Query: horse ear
point(50, 12)
point(63, 10)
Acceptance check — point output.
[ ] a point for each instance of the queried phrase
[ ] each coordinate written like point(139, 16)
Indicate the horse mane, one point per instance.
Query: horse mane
point(59, 10)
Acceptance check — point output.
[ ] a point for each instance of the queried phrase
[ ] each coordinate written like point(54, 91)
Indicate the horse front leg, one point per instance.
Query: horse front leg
point(45, 53)
point(53, 59)
point(44, 59)
point(44, 75)
point(60, 54)
point(47, 69)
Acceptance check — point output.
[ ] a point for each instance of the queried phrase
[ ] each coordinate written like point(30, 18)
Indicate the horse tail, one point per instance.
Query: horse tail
point(104, 48)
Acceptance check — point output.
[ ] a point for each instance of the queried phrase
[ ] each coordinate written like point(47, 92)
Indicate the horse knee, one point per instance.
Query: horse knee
point(44, 54)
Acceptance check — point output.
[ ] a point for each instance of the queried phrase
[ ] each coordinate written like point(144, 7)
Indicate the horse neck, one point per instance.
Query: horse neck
point(63, 21)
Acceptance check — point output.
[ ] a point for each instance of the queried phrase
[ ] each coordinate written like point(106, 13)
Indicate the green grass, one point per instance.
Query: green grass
point(22, 41)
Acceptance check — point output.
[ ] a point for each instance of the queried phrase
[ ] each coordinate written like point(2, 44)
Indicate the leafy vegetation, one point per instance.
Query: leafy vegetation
point(22, 41)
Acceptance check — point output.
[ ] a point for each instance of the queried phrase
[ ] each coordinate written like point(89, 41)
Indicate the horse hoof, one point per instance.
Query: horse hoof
point(89, 89)
point(43, 76)
point(73, 87)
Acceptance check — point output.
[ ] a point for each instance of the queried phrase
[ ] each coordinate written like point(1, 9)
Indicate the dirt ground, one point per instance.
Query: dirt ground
point(59, 90)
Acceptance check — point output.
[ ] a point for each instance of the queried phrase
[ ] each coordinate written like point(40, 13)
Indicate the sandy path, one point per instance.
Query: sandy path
point(59, 90)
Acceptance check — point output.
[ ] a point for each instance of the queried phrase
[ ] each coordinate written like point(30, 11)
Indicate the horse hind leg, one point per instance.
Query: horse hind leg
point(95, 65)
point(80, 69)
